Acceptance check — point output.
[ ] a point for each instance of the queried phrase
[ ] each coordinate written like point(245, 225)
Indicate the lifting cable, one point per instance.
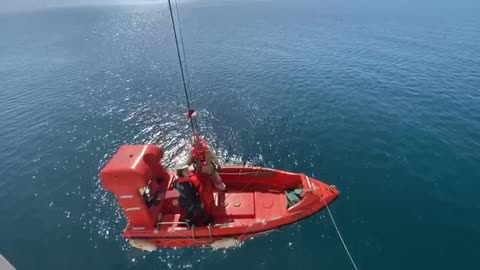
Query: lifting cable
point(190, 110)
point(183, 46)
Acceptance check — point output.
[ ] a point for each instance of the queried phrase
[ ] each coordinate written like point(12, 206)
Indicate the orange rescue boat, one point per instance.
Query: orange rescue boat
point(257, 201)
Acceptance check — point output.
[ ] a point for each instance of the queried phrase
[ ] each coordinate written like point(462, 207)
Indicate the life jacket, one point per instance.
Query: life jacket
point(192, 178)
point(199, 153)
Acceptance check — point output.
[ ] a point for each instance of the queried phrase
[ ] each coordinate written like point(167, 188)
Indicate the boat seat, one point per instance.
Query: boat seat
point(171, 202)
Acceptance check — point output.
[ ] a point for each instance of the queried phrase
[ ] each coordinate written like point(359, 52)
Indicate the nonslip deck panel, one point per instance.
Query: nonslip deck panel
point(269, 205)
point(234, 205)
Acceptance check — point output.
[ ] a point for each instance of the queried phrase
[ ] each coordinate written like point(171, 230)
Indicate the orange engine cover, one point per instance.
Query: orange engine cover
point(130, 169)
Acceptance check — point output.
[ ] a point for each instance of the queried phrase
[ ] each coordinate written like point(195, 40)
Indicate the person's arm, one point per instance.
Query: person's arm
point(215, 159)
point(189, 159)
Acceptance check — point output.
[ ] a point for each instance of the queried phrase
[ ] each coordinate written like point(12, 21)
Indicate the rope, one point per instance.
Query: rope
point(181, 65)
point(249, 226)
point(339, 234)
point(181, 41)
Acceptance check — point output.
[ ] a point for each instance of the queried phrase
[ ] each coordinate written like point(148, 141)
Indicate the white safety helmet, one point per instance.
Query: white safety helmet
point(181, 166)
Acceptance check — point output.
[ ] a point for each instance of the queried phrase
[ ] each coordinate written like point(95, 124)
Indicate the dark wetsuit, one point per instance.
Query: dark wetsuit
point(190, 200)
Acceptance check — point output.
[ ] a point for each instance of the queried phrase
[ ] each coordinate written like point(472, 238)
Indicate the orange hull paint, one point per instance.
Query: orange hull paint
point(254, 204)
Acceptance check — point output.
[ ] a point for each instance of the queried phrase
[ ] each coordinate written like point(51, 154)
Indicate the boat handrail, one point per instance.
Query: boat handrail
point(172, 223)
point(259, 174)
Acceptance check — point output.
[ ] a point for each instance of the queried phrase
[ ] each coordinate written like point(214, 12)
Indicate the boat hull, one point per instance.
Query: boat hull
point(257, 201)
point(266, 190)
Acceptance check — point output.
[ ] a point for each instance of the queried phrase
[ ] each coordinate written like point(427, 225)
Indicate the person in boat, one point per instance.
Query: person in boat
point(190, 188)
point(205, 161)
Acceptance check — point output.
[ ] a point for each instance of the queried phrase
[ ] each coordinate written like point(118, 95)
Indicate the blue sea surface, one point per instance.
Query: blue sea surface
point(380, 98)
